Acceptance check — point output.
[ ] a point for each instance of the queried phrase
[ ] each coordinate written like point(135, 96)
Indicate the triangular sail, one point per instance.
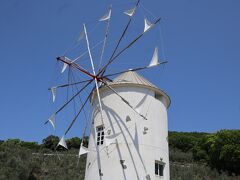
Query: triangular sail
point(147, 25)
point(83, 150)
point(81, 36)
point(105, 40)
point(154, 61)
point(54, 93)
point(62, 143)
point(52, 120)
point(130, 12)
point(107, 16)
point(64, 67)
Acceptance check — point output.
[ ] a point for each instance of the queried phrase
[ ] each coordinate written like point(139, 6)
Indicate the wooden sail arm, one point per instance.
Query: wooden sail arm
point(135, 69)
point(102, 71)
point(120, 39)
point(70, 84)
point(75, 65)
point(65, 104)
point(79, 112)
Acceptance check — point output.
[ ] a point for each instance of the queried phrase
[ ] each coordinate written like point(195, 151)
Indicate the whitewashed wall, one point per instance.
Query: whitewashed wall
point(138, 150)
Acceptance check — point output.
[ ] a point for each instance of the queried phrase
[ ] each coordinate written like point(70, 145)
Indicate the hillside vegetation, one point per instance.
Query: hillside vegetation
point(193, 156)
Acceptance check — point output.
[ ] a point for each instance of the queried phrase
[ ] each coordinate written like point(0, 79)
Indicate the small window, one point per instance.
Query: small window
point(159, 166)
point(158, 96)
point(100, 135)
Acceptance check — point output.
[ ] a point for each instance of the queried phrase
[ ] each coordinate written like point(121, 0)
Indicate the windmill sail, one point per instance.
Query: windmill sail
point(130, 12)
point(52, 120)
point(83, 150)
point(64, 67)
point(107, 16)
point(62, 143)
point(54, 93)
point(147, 25)
point(154, 61)
point(81, 36)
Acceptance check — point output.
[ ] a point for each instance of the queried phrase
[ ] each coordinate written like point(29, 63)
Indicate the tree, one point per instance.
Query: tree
point(221, 150)
point(74, 143)
point(50, 142)
point(184, 141)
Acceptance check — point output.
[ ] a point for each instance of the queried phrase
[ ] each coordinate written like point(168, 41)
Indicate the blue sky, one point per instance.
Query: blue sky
point(200, 39)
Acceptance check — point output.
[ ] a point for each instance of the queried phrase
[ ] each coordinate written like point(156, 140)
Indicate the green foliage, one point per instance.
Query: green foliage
point(221, 150)
point(190, 155)
point(15, 161)
point(176, 155)
point(20, 163)
point(30, 145)
point(73, 143)
point(184, 141)
point(195, 171)
point(50, 142)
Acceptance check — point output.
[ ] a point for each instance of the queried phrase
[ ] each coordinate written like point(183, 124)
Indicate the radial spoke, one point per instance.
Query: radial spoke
point(71, 84)
point(102, 71)
point(135, 69)
point(79, 112)
point(120, 39)
point(62, 107)
point(94, 73)
point(105, 37)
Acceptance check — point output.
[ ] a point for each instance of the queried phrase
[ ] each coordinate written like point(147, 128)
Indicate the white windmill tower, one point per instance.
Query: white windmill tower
point(125, 145)
point(129, 131)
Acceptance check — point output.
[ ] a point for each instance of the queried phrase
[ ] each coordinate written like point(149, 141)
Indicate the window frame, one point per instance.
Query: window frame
point(100, 135)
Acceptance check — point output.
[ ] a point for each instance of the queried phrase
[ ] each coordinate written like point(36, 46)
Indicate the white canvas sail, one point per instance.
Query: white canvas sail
point(107, 16)
point(83, 150)
point(130, 12)
point(62, 143)
point(147, 25)
point(54, 93)
point(64, 67)
point(154, 60)
point(52, 120)
point(81, 36)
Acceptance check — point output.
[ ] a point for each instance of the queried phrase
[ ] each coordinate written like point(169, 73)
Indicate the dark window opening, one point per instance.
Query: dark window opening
point(159, 166)
point(100, 135)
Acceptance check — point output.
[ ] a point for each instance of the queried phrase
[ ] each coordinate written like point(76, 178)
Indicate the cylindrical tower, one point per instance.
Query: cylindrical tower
point(123, 144)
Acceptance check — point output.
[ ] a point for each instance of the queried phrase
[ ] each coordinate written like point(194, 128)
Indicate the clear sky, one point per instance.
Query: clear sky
point(199, 38)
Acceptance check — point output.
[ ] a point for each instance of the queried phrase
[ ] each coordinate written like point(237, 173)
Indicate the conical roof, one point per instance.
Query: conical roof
point(132, 77)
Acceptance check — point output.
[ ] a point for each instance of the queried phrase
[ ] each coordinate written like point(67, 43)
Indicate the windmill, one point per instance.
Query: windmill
point(128, 133)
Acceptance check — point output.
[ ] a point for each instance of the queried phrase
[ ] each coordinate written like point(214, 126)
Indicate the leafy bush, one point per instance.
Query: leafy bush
point(185, 141)
point(50, 142)
point(74, 143)
point(221, 150)
point(190, 154)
